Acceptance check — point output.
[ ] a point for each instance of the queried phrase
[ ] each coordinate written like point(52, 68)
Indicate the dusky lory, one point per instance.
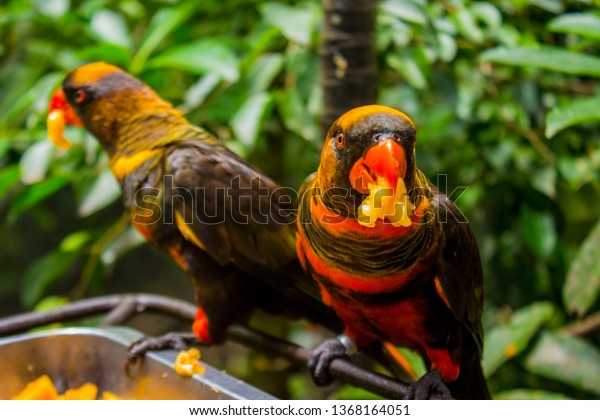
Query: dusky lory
point(392, 255)
point(230, 227)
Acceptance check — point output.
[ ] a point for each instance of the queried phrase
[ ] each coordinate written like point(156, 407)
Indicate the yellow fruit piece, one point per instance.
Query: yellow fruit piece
point(107, 395)
point(87, 391)
point(40, 389)
point(43, 389)
point(56, 129)
point(187, 364)
point(385, 202)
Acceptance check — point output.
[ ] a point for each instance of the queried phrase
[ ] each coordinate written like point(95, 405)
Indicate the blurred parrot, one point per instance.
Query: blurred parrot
point(228, 226)
point(393, 256)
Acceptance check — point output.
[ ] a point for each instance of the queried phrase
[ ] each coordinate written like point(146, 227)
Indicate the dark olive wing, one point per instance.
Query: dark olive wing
point(239, 216)
point(227, 208)
point(459, 266)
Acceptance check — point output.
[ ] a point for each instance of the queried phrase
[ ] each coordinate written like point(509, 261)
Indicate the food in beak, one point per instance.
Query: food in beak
point(56, 128)
point(60, 114)
point(386, 203)
point(382, 169)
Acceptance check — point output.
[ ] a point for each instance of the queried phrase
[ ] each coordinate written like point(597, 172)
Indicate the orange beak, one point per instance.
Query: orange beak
point(386, 159)
point(60, 113)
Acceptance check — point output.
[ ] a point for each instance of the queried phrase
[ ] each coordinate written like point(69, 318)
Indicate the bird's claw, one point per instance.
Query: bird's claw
point(321, 358)
point(176, 341)
point(427, 386)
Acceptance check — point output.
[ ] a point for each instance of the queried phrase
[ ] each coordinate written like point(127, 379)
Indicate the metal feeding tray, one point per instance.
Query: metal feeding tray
point(74, 356)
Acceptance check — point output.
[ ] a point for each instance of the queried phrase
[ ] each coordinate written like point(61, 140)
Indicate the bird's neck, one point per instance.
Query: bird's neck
point(381, 249)
point(140, 121)
point(149, 129)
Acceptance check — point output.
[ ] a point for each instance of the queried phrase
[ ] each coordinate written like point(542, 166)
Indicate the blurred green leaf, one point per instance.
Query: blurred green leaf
point(295, 23)
point(247, 121)
point(53, 8)
point(408, 11)
point(127, 240)
point(264, 71)
point(582, 286)
point(552, 6)
point(508, 340)
point(103, 51)
point(538, 231)
point(111, 27)
point(407, 66)
point(33, 194)
point(488, 13)
point(570, 360)
point(75, 241)
point(198, 92)
point(548, 58)
point(42, 274)
point(9, 177)
point(529, 394)
point(581, 170)
point(584, 24)
point(103, 192)
point(203, 56)
point(545, 180)
point(51, 302)
point(35, 162)
point(5, 145)
point(446, 47)
point(466, 24)
point(295, 116)
point(577, 112)
point(163, 23)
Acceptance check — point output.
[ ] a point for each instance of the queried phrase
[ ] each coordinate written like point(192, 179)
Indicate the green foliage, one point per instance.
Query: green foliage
point(584, 24)
point(576, 112)
point(488, 85)
point(507, 339)
point(504, 95)
point(200, 57)
point(547, 58)
point(582, 286)
point(566, 359)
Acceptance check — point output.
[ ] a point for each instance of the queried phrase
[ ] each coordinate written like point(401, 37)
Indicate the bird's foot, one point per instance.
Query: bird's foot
point(322, 357)
point(427, 386)
point(175, 341)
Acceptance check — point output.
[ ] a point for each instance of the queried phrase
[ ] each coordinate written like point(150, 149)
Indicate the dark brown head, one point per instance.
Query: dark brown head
point(106, 100)
point(365, 143)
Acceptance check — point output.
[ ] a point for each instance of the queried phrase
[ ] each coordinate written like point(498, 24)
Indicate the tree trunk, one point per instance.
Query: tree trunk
point(348, 57)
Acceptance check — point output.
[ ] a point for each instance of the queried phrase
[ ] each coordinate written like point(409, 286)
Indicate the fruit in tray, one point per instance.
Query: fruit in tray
point(43, 389)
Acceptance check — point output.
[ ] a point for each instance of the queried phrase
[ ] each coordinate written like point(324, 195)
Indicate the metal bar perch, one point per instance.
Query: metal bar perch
point(122, 307)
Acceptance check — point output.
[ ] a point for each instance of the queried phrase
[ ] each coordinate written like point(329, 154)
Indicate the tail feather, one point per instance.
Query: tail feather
point(470, 384)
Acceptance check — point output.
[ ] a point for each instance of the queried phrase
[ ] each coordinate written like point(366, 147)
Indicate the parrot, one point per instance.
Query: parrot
point(228, 226)
point(391, 254)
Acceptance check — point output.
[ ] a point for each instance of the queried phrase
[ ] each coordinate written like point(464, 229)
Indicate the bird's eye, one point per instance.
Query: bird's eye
point(340, 141)
point(80, 96)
